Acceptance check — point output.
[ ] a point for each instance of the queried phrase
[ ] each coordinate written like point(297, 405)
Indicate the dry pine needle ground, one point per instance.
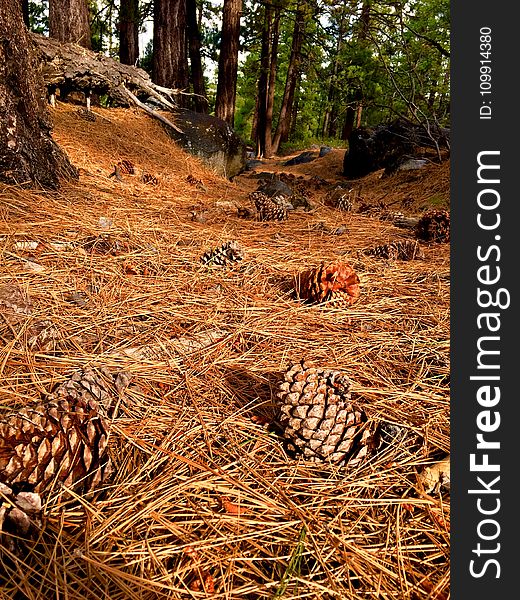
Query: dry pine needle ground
point(205, 501)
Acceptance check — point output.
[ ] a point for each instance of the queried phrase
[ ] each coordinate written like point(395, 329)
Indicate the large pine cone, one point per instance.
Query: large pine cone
point(319, 419)
point(63, 438)
point(434, 226)
point(336, 283)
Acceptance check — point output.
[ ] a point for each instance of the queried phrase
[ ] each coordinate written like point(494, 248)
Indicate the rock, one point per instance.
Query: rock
point(304, 157)
point(384, 146)
point(275, 187)
point(325, 150)
point(211, 139)
point(405, 164)
point(252, 163)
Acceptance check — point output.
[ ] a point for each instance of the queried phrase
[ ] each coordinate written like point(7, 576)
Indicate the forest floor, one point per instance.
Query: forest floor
point(205, 500)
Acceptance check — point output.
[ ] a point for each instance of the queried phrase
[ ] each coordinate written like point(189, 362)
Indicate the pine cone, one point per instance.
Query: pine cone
point(319, 419)
point(148, 178)
point(86, 114)
point(336, 282)
point(63, 438)
point(126, 167)
point(19, 519)
point(340, 198)
point(229, 252)
point(268, 209)
point(434, 226)
point(398, 250)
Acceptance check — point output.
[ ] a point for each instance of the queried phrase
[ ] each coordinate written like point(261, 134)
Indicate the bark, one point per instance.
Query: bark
point(71, 68)
point(170, 59)
point(228, 61)
point(129, 32)
point(263, 82)
point(28, 154)
point(197, 73)
point(68, 22)
point(272, 84)
point(25, 12)
point(284, 120)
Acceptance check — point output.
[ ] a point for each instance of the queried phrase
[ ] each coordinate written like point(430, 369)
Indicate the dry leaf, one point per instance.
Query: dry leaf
point(435, 477)
point(232, 508)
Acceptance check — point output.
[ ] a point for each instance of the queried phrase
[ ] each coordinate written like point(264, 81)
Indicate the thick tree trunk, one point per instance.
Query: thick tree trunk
point(129, 32)
point(68, 22)
point(197, 73)
point(228, 61)
point(28, 154)
point(284, 120)
point(170, 60)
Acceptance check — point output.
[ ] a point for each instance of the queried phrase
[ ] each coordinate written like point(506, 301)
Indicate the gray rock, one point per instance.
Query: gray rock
point(304, 157)
point(212, 140)
point(325, 150)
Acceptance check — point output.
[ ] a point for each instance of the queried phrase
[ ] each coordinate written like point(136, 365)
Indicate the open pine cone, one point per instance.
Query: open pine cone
point(398, 250)
point(336, 283)
point(434, 226)
point(226, 254)
point(62, 438)
point(319, 419)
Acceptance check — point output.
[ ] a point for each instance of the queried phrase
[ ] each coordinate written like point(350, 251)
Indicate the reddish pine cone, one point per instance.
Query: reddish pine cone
point(336, 283)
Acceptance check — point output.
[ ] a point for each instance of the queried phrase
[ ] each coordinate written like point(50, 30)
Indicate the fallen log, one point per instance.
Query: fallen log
point(69, 67)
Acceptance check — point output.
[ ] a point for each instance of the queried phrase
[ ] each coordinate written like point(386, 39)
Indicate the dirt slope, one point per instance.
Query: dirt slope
point(205, 501)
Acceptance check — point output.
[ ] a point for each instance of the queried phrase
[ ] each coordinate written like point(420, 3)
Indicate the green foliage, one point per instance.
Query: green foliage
point(146, 61)
point(39, 16)
point(395, 63)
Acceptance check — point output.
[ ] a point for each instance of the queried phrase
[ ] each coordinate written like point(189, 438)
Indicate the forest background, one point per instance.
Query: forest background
point(284, 73)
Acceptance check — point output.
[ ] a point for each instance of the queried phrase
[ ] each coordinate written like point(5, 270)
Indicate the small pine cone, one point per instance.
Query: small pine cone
point(319, 419)
point(268, 209)
point(336, 282)
point(86, 114)
point(398, 250)
point(434, 226)
point(196, 182)
point(340, 198)
point(148, 178)
point(229, 252)
point(104, 244)
point(126, 167)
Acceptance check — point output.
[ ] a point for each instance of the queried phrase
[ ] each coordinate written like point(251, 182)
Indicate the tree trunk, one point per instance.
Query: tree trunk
point(263, 83)
point(28, 154)
point(25, 12)
point(197, 73)
point(331, 111)
point(228, 61)
point(284, 120)
point(68, 22)
point(170, 60)
point(272, 84)
point(129, 32)
point(354, 110)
